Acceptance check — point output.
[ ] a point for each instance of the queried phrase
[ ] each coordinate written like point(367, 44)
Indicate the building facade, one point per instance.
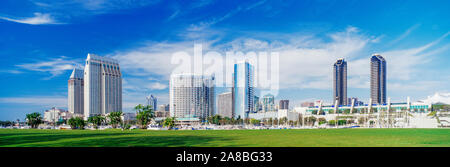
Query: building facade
point(257, 103)
point(152, 101)
point(225, 105)
point(191, 96)
point(307, 104)
point(243, 90)
point(163, 107)
point(56, 115)
point(75, 97)
point(340, 82)
point(284, 105)
point(102, 86)
point(268, 103)
point(378, 79)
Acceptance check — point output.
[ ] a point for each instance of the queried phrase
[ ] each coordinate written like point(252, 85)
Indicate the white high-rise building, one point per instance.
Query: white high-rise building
point(76, 92)
point(102, 86)
point(191, 96)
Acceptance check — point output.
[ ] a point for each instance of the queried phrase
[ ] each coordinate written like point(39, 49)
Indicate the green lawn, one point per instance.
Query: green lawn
point(228, 138)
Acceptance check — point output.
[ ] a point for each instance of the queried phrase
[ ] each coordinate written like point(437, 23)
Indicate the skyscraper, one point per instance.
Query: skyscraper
point(257, 104)
point(102, 86)
point(378, 79)
point(152, 101)
point(268, 103)
point(243, 90)
point(284, 104)
point(340, 82)
point(191, 96)
point(225, 105)
point(76, 92)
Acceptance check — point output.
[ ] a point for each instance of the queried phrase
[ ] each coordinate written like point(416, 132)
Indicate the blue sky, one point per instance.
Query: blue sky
point(42, 40)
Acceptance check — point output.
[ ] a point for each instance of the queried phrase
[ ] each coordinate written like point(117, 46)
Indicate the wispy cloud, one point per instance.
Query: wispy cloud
point(207, 23)
point(55, 66)
point(37, 19)
point(404, 35)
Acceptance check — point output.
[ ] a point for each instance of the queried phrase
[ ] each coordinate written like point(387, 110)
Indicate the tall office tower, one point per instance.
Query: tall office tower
point(225, 105)
point(102, 86)
point(340, 82)
point(257, 104)
point(191, 96)
point(284, 104)
point(76, 92)
point(243, 90)
point(378, 79)
point(268, 103)
point(152, 101)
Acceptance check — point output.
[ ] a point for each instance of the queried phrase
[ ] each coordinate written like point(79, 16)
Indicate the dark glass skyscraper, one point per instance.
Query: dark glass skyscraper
point(340, 82)
point(378, 79)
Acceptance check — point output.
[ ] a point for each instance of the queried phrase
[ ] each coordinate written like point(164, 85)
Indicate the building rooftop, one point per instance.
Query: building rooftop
point(101, 58)
point(77, 74)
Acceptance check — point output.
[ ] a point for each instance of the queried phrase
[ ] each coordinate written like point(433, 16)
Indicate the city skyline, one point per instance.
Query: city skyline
point(43, 44)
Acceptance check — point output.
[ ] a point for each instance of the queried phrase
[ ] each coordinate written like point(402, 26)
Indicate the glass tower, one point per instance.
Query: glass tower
point(378, 79)
point(243, 90)
point(340, 82)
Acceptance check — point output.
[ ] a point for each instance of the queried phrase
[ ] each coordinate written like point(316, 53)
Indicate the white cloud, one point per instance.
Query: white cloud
point(438, 97)
point(55, 66)
point(37, 19)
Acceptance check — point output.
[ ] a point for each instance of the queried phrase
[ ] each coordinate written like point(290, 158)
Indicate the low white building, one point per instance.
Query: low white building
point(290, 115)
point(55, 115)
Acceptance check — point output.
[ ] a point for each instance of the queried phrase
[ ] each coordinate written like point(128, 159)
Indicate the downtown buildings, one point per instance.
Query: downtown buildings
point(284, 105)
point(243, 90)
point(76, 92)
point(97, 91)
point(378, 79)
point(152, 101)
point(191, 97)
point(268, 103)
point(225, 104)
point(340, 82)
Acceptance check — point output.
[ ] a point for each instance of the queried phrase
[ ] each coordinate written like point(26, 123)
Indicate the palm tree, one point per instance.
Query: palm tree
point(169, 122)
point(115, 118)
point(96, 120)
point(76, 123)
point(144, 115)
point(34, 119)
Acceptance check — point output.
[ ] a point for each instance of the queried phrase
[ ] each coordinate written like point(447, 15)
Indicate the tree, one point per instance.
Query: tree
point(332, 122)
point(77, 123)
point(310, 120)
point(300, 119)
point(270, 121)
point(255, 121)
point(115, 118)
point(169, 122)
point(362, 120)
point(96, 120)
point(322, 121)
point(284, 120)
point(144, 115)
point(34, 119)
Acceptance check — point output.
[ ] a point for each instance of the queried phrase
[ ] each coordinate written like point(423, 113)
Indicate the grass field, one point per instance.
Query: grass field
point(230, 138)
